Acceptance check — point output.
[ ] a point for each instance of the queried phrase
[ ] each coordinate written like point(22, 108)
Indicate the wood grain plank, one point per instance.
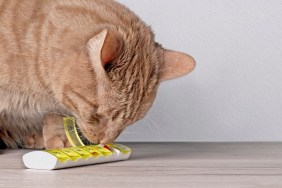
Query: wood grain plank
point(161, 165)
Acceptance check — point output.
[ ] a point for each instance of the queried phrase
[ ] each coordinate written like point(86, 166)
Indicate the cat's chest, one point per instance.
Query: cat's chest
point(24, 109)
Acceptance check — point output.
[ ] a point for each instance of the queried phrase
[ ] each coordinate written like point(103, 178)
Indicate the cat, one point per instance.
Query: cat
point(94, 60)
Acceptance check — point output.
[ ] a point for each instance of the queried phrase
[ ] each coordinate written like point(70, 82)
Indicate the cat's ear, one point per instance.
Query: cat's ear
point(104, 47)
point(175, 64)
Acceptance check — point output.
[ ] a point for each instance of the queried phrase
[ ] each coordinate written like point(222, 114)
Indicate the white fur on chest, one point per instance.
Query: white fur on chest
point(24, 111)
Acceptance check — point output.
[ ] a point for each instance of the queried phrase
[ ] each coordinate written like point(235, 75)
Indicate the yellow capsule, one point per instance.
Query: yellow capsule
point(72, 154)
point(105, 152)
point(95, 153)
point(83, 153)
point(61, 156)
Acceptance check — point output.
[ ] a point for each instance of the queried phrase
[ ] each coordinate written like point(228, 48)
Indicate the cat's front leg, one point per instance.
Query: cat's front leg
point(35, 141)
point(53, 132)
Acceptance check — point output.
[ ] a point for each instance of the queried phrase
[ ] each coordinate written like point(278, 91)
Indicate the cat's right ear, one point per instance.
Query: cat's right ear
point(175, 64)
point(104, 47)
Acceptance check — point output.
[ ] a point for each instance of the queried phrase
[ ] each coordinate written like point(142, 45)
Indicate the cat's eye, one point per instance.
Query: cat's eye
point(108, 66)
point(94, 119)
point(115, 115)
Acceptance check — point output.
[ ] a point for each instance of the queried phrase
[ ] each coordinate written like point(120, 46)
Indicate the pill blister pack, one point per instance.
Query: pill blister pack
point(78, 155)
point(75, 156)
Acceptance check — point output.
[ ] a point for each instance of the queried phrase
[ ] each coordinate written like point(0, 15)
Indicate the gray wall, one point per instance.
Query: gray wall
point(235, 92)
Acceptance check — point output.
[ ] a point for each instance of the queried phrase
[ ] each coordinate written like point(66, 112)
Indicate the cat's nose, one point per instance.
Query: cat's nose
point(106, 141)
point(110, 139)
point(100, 136)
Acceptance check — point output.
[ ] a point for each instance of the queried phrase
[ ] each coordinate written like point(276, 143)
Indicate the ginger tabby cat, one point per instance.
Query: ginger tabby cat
point(91, 59)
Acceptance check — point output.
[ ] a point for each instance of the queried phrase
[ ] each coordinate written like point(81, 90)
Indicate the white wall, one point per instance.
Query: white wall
point(235, 93)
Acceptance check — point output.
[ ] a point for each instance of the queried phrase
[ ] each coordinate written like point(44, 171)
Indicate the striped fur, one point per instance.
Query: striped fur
point(46, 73)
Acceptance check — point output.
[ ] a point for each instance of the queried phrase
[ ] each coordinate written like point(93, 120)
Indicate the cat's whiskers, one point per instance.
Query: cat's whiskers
point(148, 125)
point(167, 115)
point(154, 124)
point(129, 132)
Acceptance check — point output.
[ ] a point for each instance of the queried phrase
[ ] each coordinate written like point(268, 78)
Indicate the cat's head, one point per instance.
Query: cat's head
point(124, 72)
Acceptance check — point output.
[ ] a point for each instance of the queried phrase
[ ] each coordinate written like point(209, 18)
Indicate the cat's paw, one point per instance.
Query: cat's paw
point(33, 142)
point(57, 142)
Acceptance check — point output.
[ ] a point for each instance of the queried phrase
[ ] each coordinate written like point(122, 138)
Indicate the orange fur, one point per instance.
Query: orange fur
point(92, 59)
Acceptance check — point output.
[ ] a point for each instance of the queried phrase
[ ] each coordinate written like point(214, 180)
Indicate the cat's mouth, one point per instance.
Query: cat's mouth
point(104, 132)
point(91, 136)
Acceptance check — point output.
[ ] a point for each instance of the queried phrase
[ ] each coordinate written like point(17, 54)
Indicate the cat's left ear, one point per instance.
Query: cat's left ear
point(175, 64)
point(105, 47)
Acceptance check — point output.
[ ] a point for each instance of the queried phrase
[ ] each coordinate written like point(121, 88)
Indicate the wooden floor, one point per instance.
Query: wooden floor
point(161, 165)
